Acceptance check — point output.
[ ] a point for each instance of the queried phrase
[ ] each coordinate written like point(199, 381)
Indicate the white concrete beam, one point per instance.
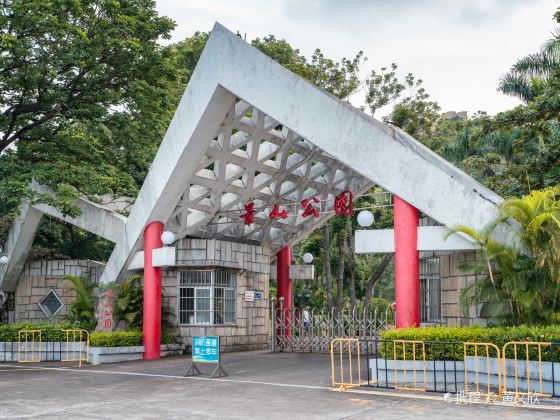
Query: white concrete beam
point(20, 239)
point(198, 116)
point(430, 238)
point(164, 257)
point(297, 272)
point(94, 217)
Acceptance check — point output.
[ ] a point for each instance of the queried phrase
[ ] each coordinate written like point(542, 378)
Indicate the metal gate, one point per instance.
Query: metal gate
point(311, 331)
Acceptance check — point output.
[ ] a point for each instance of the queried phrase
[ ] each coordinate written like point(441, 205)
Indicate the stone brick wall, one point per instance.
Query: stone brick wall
point(453, 280)
point(211, 252)
point(252, 265)
point(39, 277)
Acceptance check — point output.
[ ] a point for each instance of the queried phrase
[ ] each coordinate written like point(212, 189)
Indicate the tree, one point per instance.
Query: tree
point(518, 283)
point(529, 76)
point(86, 94)
point(72, 60)
point(340, 78)
point(129, 301)
point(383, 88)
point(82, 309)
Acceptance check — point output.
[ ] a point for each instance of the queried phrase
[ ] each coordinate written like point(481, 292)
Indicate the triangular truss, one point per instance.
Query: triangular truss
point(253, 158)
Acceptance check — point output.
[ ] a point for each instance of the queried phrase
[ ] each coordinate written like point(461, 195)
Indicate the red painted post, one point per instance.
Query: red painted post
point(407, 278)
point(284, 284)
point(152, 292)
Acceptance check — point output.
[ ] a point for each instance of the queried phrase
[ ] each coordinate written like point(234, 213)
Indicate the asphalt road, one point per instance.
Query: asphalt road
point(259, 385)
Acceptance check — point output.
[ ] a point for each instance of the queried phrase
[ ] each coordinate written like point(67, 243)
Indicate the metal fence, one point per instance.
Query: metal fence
point(311, 330)
point(48, 345)
point(516, 372)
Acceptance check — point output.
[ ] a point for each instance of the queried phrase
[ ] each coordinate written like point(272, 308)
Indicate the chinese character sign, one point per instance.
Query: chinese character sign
point(104, 312)
point(343, 203)
point(276, 213)
point(310, 207)
point(249, 217)
point(206, 349)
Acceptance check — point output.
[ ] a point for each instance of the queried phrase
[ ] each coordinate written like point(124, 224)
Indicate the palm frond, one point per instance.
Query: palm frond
point(517, 85)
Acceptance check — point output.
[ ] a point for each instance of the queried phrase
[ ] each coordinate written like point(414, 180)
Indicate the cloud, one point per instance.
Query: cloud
point(460, 48)
point(478, 12)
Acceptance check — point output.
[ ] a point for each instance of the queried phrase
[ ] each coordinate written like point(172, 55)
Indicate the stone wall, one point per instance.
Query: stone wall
point(252, 265)
point(453, 280)
point(39, 277)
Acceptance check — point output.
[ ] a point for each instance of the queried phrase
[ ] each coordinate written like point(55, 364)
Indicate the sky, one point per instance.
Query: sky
point(459, 48)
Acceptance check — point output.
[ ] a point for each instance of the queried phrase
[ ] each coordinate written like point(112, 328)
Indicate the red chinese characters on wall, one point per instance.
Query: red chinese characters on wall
point(343, 203)
point(276, 213)
point(249, 216)
point(105, 311)
point(309, 209)
point(342, 207)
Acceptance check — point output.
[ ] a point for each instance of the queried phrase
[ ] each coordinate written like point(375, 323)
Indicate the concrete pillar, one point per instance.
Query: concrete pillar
point(407, 276)
point(152, 292)
point(284, 286)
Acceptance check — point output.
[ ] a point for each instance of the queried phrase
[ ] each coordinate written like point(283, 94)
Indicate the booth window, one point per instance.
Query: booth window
point(430, 290)
point(207, 297)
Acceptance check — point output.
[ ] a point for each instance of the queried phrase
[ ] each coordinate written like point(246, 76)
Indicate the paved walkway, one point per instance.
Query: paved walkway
point(259, 385)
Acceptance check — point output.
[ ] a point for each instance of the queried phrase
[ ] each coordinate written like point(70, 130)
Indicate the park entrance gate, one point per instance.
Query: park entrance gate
point(311, 331)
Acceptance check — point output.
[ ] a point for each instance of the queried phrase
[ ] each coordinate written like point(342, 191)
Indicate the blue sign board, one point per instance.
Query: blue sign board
point(206, 349)
point(258, 295)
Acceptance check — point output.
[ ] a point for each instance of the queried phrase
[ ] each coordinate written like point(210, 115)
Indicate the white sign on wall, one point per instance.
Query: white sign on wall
point(249, 296)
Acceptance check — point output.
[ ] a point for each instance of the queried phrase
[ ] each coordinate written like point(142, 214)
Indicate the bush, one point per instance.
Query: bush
point(53, 332)
point(446, 343)
point(116, 339)
point(49, 332)
point(166, 338)
point(122, 338)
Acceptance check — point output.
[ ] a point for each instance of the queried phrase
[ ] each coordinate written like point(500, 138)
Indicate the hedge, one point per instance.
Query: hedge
point(495, 335)
point(115, 339)
point(52, 332)
point(49, 332)
point(122, 338)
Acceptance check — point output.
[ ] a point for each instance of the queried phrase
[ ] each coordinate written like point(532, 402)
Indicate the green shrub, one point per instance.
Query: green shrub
point(123, 338)
point(53, 332)
point(116, 339)
point(49, 332)
point(166, 337)
point(454, 337)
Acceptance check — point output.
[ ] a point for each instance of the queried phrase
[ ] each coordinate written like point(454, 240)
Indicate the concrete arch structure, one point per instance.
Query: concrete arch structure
point(247, 129)
point(231, 75)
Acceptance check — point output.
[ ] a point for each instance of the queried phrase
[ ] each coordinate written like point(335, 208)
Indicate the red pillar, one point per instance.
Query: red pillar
point(407, 280)
point(152, 292)
point(284, 283)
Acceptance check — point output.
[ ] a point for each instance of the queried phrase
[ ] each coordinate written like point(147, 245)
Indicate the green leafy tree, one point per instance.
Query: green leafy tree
point(84, 98)
point(129, 302)
point(64, 60)
point(518, 283)
point(530, 75)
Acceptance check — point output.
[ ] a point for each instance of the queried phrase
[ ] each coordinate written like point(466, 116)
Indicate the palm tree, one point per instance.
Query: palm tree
point(82, 309)
point(529, 76)
point(518, 282)
point(129, 301)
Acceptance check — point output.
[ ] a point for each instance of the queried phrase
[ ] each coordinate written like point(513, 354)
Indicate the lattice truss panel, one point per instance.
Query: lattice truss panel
point(255, 158)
